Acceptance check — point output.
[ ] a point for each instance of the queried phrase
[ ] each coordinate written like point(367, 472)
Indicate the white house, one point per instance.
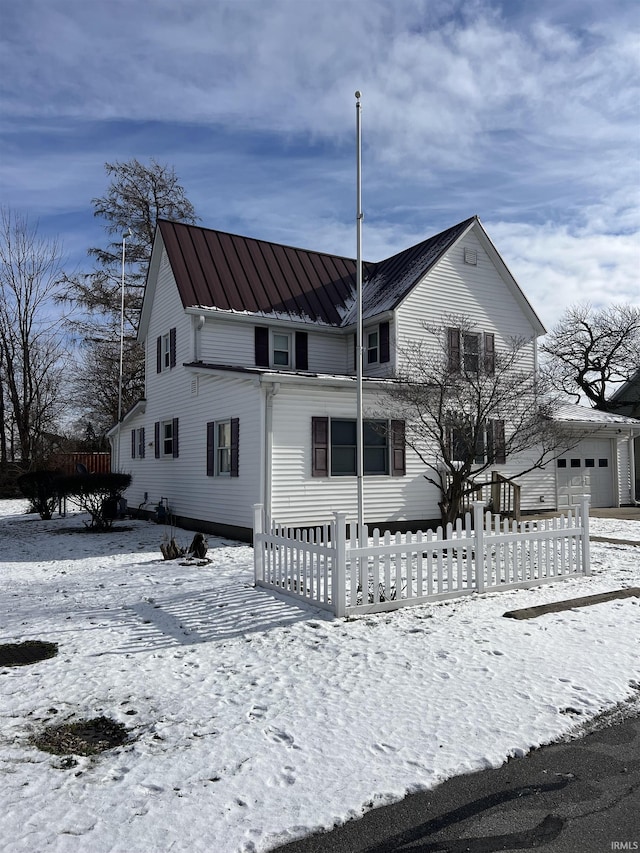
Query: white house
point(251, 390)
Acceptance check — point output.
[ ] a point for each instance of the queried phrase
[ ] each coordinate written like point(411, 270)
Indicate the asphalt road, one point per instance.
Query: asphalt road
point(577, 796)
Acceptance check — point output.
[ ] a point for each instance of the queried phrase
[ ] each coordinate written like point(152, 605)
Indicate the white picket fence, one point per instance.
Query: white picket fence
point(376, 572)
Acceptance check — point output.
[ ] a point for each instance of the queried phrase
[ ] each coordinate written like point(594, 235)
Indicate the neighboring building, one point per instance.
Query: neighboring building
point(250, 378)
point(626, 401)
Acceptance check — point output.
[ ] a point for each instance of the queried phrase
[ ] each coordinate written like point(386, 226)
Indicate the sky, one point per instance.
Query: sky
point(252, 721)
point(527, 115)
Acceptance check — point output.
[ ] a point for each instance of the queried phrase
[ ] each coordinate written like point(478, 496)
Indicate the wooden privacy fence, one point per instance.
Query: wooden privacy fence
point(480, 553)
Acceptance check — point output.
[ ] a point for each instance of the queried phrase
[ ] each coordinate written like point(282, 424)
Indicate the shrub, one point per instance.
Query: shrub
point(97, 494)
point(41, 489)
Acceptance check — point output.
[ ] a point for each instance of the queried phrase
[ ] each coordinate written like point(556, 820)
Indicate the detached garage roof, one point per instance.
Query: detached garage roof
point(570, 412)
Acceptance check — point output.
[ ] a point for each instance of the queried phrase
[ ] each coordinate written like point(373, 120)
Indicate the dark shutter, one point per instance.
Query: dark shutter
point(480, 448)
point(158, 355)
point(302, 351)
point(211, 449)
point(172, 347)
point(235, 447)
point(174, 447)
point(319, 447)
point(454, 349)
point(489, 353)
point(384, 343)
point(398, 449)
point(141, 443)
point(355, 352)
point(262, 346)
point(133, 444)
point(156, 439)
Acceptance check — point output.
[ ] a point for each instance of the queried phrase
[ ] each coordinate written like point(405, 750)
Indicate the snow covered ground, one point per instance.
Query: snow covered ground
point(254, 721)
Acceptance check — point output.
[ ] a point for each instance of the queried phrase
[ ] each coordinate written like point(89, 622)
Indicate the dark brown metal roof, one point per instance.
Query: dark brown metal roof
point(233, 273)
point(215, 269)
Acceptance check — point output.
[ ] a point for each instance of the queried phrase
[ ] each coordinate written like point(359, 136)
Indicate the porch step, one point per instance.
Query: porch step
point(570, 603)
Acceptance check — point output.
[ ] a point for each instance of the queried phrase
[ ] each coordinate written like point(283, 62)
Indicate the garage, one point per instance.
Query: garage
point(587, 469)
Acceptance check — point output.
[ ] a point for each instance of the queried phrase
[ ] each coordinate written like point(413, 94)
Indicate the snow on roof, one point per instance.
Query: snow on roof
point(583, 414)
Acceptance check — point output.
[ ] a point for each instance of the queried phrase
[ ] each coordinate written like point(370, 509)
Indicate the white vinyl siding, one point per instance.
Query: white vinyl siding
point(478, 292)
point(223, 341)
point(300, 498)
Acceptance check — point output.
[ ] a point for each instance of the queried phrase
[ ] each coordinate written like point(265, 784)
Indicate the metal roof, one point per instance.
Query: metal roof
point(232, 273)
point(229, 272)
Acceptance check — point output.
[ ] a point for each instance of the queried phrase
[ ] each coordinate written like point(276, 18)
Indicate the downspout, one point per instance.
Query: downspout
point(632, 468)
point(271, 392)
point(198, 323)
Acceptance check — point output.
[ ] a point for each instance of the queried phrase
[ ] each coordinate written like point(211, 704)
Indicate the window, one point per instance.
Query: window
point(488, 444)
point(589, 463)
point(603, 463)
point(281, 350)
point(343, 447)
point(334, 447)
point(166, 438)
point(562, 463)
point(222, 448)
point(575, 463)
point(469, 351)
point(166, 351)
point(277, 348)
point(372, 347)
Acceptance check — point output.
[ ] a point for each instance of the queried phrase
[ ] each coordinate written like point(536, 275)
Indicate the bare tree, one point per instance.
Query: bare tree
point(590, 352)
point(32, 348)
point(137, 196)
point(469, 407)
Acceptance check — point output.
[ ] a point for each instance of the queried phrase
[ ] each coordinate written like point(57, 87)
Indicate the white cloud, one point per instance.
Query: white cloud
point(525, 114)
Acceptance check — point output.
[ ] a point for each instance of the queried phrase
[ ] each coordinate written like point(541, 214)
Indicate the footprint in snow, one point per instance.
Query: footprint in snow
point(278, 736)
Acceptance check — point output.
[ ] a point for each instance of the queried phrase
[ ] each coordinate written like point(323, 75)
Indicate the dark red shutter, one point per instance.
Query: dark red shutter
point(156, 439)
point(319, 447)
point(235, 447)
point(133, 444)
point(302, 351)
point(384, 343)
point(175, 438)
point(398, 449)
point(172, 347)
point(489, 353)
point(496, 447)
point(211, 449)
point(158, 355)
point(262, 346)
point(499, 442)
point(454, 349)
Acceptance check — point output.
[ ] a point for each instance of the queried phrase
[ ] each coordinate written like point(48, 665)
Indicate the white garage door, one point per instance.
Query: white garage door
point(586, 470)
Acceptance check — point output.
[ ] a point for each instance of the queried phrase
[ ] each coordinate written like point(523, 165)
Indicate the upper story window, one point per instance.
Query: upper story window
point(376, 345)
point(372, 347)
point(280, 349)
point(166, 351)
point(471, 352)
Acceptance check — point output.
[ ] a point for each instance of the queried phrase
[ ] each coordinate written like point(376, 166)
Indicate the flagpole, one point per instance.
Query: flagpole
point(359, 346)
